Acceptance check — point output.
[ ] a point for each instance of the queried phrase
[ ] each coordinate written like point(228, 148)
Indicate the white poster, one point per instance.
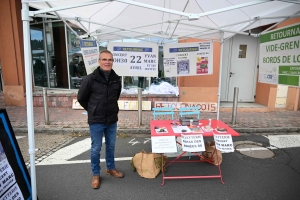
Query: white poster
point(13, 193)
point(90, 54)
point(9, 188)
point(192, 142)
point(279, 61)
point(224, 142)
point(169, 66)
point(7, 177)
point(163, 144)
point(188, 59)
point(181, 129)
point(134, 59)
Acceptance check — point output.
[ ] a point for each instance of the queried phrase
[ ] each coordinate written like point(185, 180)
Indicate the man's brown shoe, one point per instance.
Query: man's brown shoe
point(96, 182)
point(115, 173)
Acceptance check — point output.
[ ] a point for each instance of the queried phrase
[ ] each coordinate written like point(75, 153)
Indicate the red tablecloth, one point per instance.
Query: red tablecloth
point(168, 125)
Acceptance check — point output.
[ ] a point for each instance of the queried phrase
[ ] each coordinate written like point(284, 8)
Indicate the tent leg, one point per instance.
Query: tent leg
point(220, 75)
point(29, 97)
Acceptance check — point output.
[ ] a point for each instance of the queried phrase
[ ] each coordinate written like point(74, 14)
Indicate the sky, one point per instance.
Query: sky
point(36, 35)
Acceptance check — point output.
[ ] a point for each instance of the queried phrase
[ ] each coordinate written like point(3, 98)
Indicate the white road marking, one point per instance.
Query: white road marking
point(19, 137)
point(64, 155)
point(147, 140)
point(133, 142)
point(66, 162)
point(284, 141)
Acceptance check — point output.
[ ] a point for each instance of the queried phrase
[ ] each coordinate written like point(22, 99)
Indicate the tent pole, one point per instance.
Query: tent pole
point(29, 98)
point(274, 25)
point(56, 13)
point(48, 10)
point(123, 29)
point(220, 74)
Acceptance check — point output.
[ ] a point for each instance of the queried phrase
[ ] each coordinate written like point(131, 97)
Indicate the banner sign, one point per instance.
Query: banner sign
point(14, 176)
point(146, 105)
point(134, 59)
point(203, 106)
point(224, 142)
point(163, 144)
point(279, 61)
point(188, 59)
point(123, 105)
point(133, 105)
point(90, 54)
point(192, 142)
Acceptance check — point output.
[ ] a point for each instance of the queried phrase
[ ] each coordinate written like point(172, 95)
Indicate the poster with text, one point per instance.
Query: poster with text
point(224, 142)
point(163, 144)
point(14, 177)
point(279, 61)
point(90, 54)
point(134, 59)
point(188, 59)
point(192, 142)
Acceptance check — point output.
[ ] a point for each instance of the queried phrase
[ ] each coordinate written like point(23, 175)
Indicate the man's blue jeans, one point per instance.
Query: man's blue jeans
point(110, 134)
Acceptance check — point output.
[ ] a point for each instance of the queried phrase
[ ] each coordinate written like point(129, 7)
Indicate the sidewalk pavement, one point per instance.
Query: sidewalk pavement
point(67, 120)
point(75, 121)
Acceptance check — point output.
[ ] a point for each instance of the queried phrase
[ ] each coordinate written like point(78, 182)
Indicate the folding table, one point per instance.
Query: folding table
point(167, 124)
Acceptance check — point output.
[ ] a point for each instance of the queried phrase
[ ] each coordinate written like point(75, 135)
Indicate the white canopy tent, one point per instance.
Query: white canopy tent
point(169, 19)
point(109, 20)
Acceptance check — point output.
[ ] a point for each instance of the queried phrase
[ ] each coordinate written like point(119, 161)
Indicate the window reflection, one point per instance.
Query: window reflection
point(38, 56)
point(77, 68)
point(242, 51)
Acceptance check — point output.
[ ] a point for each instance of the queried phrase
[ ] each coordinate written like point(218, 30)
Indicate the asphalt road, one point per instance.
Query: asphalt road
point(64, 173)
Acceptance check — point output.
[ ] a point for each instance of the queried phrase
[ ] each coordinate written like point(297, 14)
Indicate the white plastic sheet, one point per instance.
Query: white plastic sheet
point(162, 88)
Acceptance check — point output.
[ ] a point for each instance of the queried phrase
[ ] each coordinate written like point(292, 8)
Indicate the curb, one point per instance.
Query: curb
point(268, 130)
point(147, 131)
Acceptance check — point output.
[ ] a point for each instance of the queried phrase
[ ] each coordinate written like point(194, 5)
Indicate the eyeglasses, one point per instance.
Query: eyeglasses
point(109, 60)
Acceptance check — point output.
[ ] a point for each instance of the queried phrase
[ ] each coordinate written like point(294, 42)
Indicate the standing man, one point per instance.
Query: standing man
point(98, 95)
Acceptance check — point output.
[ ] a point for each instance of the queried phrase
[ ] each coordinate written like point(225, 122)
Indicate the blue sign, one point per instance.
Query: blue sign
point(133, 49)
point(88, 43)
point(183, 49)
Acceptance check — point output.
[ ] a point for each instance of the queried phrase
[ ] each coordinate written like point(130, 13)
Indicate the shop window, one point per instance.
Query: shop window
point(135, 82)
point(38, 56)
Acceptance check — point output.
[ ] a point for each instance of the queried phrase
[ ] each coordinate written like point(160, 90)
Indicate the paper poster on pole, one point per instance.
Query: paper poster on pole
point(192, 142)
point(134, 59)
point(163, 144)
point(224, 142)
point(90, 54)
point(279, 61)
point(188, 59)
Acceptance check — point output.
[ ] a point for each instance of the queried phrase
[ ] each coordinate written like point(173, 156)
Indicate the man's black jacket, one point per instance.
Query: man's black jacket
point(99, 97)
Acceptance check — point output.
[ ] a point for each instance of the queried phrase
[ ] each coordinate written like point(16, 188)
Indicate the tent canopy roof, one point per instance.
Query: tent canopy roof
point(109, 20)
